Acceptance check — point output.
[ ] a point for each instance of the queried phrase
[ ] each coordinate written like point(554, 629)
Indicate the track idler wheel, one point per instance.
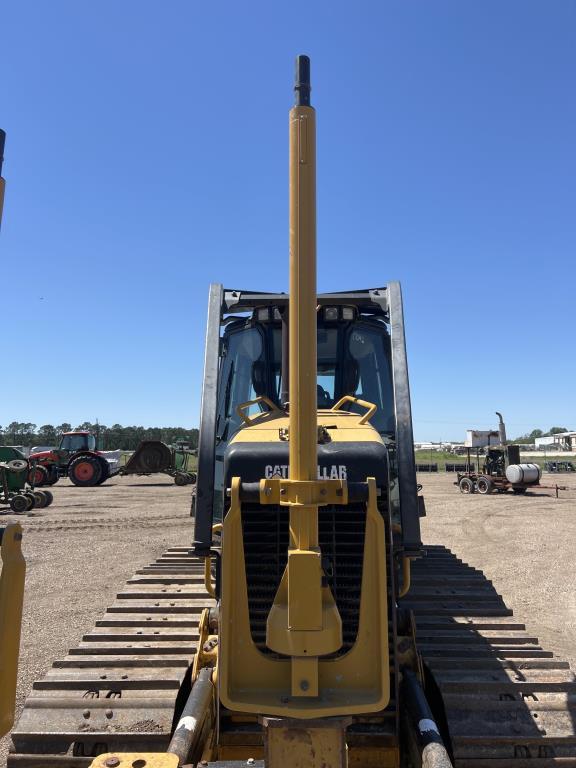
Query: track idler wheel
point(85, 470)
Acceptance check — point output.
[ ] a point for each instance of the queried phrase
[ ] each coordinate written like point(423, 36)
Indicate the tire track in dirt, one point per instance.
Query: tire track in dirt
point(108, 523)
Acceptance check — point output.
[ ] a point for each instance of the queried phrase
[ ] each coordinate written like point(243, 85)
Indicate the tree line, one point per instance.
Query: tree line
point(110, 438)
point(531, 436)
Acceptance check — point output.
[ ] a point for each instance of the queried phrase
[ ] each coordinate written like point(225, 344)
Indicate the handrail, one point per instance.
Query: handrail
point(258, 400)
point(371, 407)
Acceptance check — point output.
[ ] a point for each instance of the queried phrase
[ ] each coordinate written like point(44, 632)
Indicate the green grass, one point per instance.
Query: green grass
point(443, 457)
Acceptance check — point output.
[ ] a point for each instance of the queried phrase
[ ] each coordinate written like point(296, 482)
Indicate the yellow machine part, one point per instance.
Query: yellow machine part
point(11, 600)
point(250, 681)
point(135, 760)
point(306, 685)
point(342, 426)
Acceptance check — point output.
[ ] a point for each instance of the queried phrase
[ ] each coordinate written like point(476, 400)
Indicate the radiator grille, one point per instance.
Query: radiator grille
point(341, 535)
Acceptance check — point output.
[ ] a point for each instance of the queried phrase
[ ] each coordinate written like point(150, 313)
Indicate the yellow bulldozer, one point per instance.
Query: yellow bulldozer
point(305, 625)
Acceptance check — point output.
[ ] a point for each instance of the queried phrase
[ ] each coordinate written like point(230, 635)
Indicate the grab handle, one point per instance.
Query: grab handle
point(371, 407)
point(258, 400)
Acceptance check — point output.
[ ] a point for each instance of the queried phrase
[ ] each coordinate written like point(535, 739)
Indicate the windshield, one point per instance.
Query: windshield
point(353, 359)
point(241, 379)
point(369, 377)
point(78, 443)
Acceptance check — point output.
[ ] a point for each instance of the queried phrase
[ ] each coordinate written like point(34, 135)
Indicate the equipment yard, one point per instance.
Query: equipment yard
point(524, 544)
point(82, 550)
point(327, 593)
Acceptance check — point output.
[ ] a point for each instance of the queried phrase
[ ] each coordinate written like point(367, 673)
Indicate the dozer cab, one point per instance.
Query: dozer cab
point(306, 626)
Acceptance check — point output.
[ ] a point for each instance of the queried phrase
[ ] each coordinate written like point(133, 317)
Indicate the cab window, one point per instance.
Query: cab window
point(370, 368)
point(243, 378)
point(78, 443)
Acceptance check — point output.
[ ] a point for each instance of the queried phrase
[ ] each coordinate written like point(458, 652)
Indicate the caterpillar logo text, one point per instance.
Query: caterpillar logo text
point(333, 472)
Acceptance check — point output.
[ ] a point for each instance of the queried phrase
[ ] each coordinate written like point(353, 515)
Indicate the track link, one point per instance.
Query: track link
point(117, 691)
point(508, 702)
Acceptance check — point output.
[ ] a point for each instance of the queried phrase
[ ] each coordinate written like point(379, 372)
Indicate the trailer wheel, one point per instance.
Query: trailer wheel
point(38, 475)
point(41, 499)
point(19, 503)
point(466, 485)
point(484, 485)
point(31, 500)
point(85, 470)
point(49, 497)
point(181, 479)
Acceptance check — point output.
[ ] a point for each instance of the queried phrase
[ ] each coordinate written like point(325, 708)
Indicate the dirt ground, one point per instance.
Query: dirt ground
point(526, 545)
point(82, 549)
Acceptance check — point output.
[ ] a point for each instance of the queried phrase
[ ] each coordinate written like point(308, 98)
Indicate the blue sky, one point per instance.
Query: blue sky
point(147, 156)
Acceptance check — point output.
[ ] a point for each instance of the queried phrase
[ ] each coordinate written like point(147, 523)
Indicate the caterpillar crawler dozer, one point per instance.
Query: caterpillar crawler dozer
point(306, 625)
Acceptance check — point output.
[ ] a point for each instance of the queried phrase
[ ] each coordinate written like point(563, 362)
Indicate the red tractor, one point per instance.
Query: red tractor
point(75, 457)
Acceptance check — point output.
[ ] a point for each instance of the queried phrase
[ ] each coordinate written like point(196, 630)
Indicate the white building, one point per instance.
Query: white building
point(427, 446)
point(563, 441)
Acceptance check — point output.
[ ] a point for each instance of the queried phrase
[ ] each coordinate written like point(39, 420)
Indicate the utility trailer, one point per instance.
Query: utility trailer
point(501, 472)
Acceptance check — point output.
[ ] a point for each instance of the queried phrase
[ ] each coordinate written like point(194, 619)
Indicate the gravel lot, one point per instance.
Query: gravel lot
point(80, 551)
point(90, 541)
point(526, 545)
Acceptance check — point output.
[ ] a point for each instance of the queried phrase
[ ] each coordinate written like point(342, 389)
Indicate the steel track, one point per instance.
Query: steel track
point(117, 690)
point(508, 703)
